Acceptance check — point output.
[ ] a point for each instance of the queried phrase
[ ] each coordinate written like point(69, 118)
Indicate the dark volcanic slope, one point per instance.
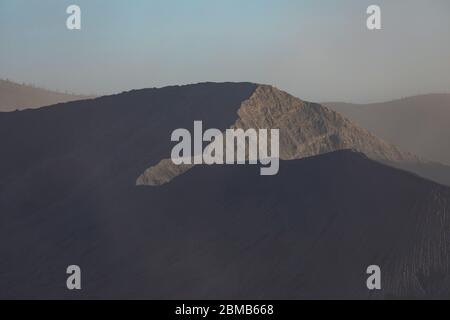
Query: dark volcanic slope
point(115, 138)
point(67, 196)
point(226, 232)
point(14, 96)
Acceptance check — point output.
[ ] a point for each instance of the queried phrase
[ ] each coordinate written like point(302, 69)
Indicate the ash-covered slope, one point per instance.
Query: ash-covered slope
point(60, 148)
point(68, 196)
point(226, 232)
point(14, 96)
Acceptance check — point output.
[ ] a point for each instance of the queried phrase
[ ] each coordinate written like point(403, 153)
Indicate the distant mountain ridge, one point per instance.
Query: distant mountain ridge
point(419, 124)
point(14, 96)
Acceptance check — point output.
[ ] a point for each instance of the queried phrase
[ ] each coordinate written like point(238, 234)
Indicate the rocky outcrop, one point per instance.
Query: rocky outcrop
point(306, 129)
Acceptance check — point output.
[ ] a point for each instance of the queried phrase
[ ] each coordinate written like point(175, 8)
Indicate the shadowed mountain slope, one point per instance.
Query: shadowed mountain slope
point(68, 196)
point(112, 137)
point(227, 232)
point(14, 96)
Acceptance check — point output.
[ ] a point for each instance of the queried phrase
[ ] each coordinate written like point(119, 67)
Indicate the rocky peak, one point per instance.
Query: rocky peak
point(306, 129)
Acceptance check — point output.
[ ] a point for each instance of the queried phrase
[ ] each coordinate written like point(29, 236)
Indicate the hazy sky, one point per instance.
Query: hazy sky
point(316, 50)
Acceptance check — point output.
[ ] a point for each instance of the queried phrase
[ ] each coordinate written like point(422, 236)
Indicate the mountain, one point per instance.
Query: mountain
point(434, 171)
point(14, 96)
point(226, 232)
point(419, 124)
point(306, 129)
point(68, 196)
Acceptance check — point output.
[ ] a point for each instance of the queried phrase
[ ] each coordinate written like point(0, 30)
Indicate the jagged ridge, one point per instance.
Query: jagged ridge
point(306, 129)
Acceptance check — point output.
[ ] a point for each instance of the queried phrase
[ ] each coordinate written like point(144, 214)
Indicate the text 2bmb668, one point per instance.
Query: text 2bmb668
point(246, 309)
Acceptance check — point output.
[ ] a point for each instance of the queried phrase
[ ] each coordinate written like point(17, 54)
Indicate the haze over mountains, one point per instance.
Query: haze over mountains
point(68, 196)
point(419, 124)
point(14, 96)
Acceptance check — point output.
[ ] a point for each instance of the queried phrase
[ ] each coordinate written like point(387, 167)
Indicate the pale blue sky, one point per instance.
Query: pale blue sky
point(317, 50)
